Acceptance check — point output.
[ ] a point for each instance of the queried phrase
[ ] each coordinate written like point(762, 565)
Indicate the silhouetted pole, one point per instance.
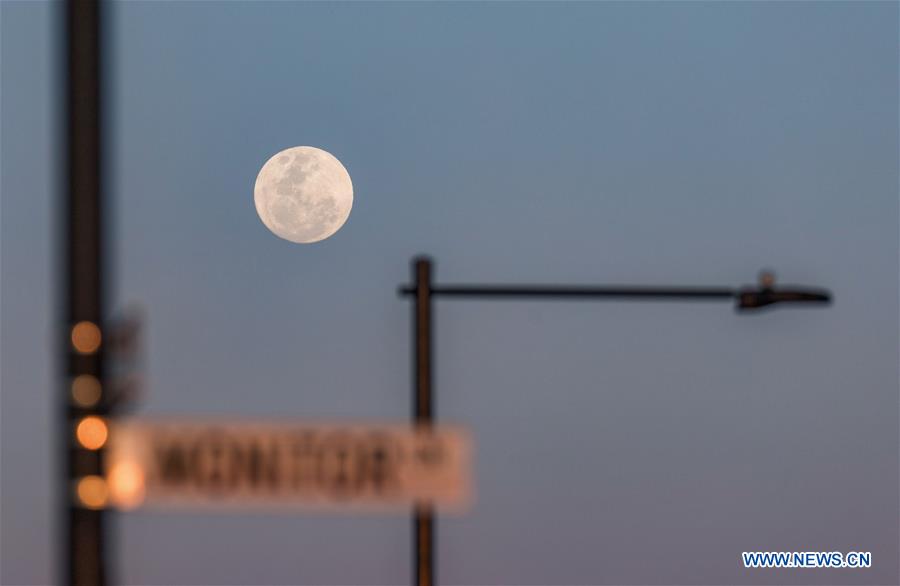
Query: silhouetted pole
point(423, 521)
point(83, 520)
point(746, 299)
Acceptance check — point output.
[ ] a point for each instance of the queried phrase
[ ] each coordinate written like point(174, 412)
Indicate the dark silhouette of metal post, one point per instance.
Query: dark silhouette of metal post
point(747, 299)
point(83, 524)
point(423, 413)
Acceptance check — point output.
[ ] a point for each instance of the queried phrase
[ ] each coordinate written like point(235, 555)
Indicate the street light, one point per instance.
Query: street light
point(746, 299)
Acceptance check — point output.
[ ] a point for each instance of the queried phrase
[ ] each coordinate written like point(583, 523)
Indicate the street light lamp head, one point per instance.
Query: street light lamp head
point(750, 299)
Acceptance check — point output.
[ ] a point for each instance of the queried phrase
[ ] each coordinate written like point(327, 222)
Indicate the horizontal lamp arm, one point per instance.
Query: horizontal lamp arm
point(746, 299)
point(541, 291)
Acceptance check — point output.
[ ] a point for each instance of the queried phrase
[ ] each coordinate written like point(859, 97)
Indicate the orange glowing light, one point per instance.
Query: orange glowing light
point(86, 337)
point(92, 492)
point(126, 485)
point(86, 390)
point(92, 432)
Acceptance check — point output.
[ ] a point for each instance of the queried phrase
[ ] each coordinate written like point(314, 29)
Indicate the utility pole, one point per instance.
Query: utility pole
point(424, 291)
point(423, 414)
point(84, 429)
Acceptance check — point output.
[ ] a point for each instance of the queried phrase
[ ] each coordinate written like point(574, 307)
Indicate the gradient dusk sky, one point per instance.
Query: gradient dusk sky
point(650, 143)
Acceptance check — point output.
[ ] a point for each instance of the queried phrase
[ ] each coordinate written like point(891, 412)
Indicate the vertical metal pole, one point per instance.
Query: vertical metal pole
point(83, 524)
point(423, 414)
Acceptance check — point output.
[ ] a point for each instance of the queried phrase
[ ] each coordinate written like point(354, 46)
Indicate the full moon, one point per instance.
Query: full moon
point(303, 194)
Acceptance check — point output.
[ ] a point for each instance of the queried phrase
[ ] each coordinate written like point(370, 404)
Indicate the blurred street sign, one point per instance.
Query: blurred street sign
point(124, 358)
point(125, 332)
point(235, 465)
